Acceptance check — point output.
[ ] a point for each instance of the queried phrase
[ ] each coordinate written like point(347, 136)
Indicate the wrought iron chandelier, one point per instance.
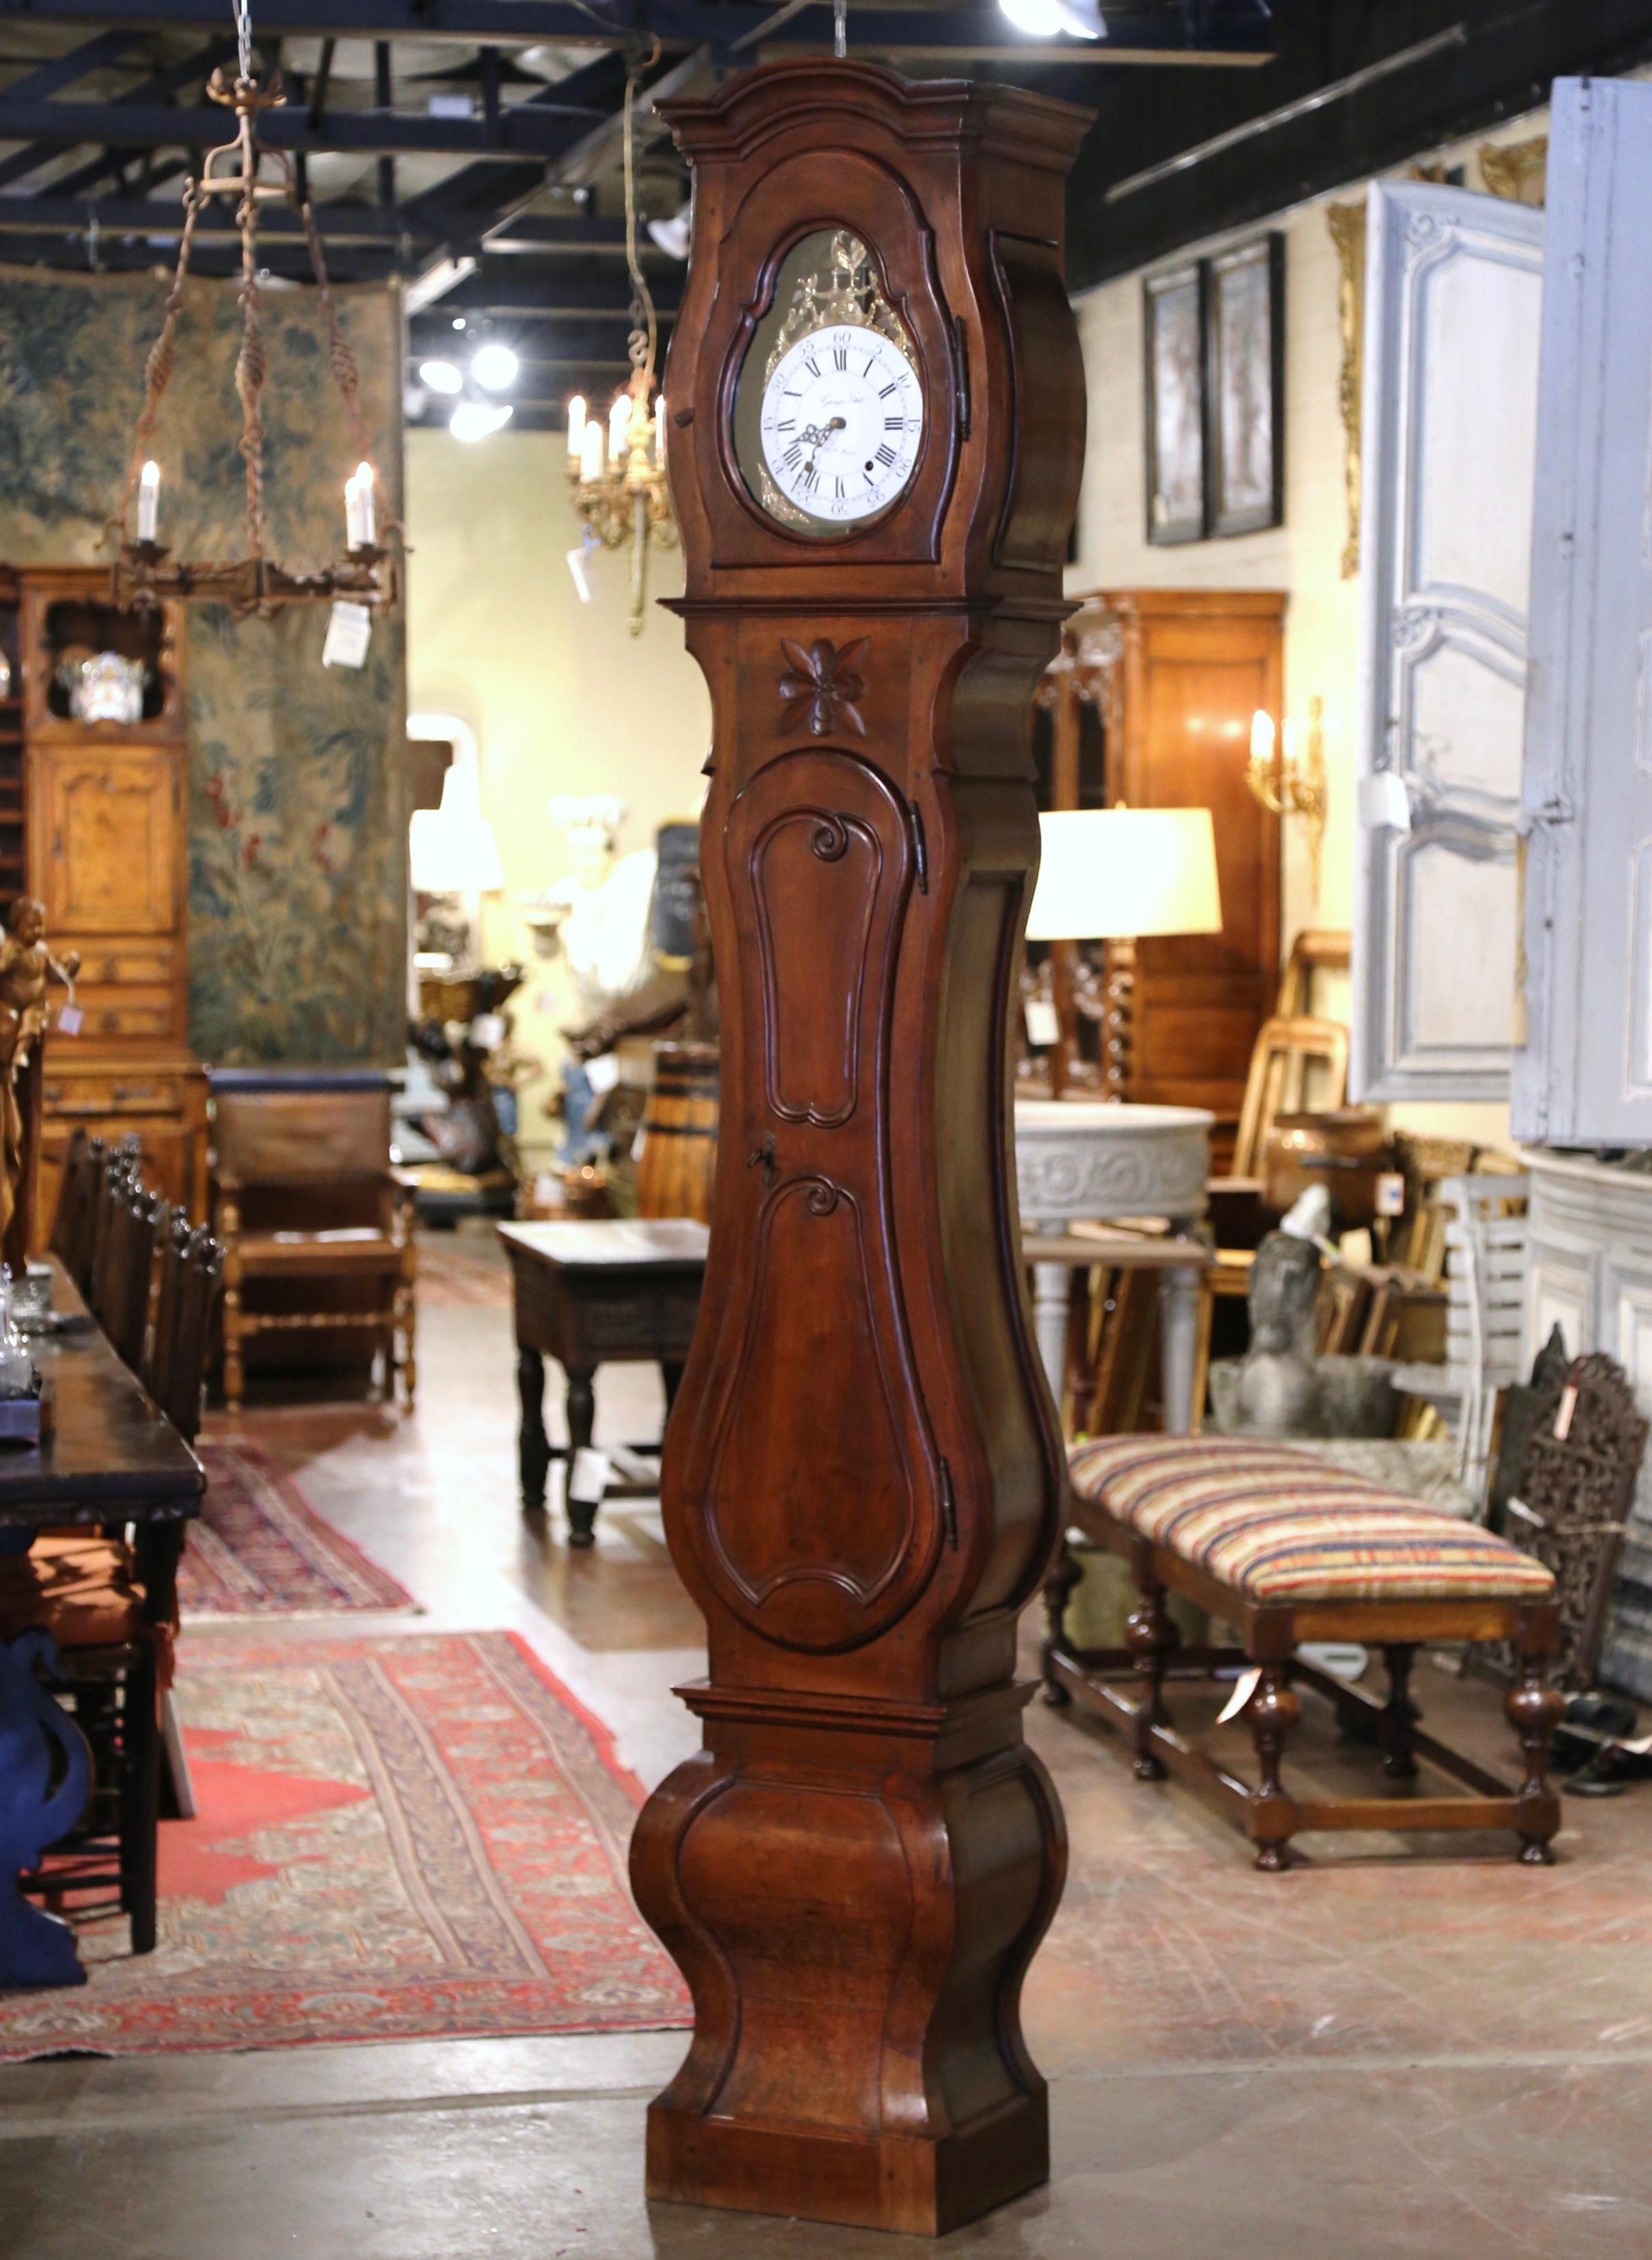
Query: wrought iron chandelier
point(145, 571)
point(616, 470)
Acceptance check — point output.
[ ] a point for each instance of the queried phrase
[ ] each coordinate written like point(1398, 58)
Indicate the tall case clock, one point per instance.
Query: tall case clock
point(876, 430)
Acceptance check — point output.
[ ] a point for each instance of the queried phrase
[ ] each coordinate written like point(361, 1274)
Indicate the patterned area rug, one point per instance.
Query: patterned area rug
point(260, 1548)
point(402, 1838)
point(462, 1271)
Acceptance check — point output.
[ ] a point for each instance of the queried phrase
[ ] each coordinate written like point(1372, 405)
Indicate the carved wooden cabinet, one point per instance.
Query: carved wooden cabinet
point(863, 1482)
point(106, 853)
point(1149, 702)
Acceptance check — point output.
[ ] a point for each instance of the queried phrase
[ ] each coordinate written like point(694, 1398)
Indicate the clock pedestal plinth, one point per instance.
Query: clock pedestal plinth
point(863, 1484)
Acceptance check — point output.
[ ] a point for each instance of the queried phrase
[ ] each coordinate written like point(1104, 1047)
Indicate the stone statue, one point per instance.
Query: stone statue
point(1282, 1386)
point(25, 966)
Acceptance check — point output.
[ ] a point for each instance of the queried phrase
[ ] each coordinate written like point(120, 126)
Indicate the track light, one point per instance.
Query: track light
point(494, 368)
point(441, 376)
point(479, 420)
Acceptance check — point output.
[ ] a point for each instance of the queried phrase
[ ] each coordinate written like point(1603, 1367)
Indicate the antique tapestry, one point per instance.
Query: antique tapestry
point(297, 829)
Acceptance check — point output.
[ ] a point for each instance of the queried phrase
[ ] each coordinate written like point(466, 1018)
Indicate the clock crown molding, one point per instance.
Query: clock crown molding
point(755, 107)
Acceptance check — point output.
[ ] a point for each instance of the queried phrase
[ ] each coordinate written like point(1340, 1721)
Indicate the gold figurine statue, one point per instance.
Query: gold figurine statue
point(27, 964)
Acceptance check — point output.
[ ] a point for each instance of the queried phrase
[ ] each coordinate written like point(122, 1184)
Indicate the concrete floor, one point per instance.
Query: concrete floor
point(1402, 2047)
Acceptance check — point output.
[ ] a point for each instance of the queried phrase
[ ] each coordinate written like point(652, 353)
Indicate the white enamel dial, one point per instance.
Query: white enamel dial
point(843, 418)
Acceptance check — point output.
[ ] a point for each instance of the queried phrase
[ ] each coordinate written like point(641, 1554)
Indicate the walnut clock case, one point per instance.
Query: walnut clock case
point(862, 1481)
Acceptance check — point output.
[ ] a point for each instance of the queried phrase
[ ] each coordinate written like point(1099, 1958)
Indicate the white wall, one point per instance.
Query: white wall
point(1303, 556)
point(562, 698)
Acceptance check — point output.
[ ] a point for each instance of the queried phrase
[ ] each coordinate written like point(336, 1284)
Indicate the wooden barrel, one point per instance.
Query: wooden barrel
point(677, 1144)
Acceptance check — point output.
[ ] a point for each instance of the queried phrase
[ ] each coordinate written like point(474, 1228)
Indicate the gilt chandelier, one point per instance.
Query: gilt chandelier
point(616, 470)
point(144, 570)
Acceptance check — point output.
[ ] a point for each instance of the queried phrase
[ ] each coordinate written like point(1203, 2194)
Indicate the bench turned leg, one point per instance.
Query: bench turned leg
point(1274, 1709)
point(1059, 1587)
point(1535, 1710)
point(1399, 1714)
point(1152, 1638)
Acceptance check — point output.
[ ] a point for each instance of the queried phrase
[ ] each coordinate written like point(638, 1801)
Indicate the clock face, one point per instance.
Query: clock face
point(842, 416)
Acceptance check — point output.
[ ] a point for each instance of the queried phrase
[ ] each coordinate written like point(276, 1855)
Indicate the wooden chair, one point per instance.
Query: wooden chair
point(72, 1187)
point(1283, 1063)
point(192, 1279)
point(111, 1605)
point(1313, 952)
point(307, 1203)
point(1486, 1235)
point(125, 1244)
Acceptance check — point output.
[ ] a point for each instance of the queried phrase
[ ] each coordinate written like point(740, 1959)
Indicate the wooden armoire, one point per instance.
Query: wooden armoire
point(1149, 702)
point(103, 810)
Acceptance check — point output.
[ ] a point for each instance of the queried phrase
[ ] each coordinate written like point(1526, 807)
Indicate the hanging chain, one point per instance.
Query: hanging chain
point(840, 28)
point(243, 38)
point(645, 331)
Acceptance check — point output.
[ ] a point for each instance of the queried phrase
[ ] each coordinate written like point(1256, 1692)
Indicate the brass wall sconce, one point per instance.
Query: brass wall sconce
point(1286, 773)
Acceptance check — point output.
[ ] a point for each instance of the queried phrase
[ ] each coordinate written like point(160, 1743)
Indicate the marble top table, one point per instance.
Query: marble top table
point(1094, 1161)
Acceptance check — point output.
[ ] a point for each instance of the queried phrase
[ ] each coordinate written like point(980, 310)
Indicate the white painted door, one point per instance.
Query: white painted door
point(1452, 312)
point(1583, 1076)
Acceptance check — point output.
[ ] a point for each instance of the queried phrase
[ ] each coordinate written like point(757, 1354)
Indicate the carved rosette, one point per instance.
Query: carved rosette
point(822, 687)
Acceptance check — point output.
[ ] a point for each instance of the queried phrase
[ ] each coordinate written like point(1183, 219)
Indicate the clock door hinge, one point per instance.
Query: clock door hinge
point(961, 364)
point(948, 1507)
point(920, 849)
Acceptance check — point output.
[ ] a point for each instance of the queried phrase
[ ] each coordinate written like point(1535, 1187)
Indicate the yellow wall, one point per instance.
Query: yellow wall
point(1303, 556)
point(562, 698)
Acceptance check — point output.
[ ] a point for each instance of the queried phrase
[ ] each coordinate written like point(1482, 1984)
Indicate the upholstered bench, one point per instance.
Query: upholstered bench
point(1287, 1549)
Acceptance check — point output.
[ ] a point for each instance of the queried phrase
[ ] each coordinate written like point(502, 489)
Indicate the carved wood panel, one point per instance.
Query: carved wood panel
point(820, 864)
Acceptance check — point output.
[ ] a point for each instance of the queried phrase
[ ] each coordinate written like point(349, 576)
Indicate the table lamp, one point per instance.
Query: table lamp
point(1114, 874)
point(452, 852)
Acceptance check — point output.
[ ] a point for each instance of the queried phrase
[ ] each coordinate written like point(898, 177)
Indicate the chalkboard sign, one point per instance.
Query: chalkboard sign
point(677, 894)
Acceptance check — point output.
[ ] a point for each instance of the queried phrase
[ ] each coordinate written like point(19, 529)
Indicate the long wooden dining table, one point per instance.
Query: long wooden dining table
point(113, 1459)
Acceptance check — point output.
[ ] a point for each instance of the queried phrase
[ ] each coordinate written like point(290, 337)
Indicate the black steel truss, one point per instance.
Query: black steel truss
point(513, 216)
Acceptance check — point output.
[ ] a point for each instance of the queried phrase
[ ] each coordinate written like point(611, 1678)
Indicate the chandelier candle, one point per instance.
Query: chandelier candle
point(576, 428)
point(360, 519)
point(149, 501)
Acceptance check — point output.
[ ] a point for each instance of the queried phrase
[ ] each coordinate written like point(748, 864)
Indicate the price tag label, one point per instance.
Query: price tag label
point(1390, 1193)
point(70, 1020)
point(588, 1477)
point(1564, 1411)
point(349, 632)
point(1043, 1024)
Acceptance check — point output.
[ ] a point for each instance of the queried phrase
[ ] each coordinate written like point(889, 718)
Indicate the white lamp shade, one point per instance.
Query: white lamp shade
point(451, 849)
point(1111, 872)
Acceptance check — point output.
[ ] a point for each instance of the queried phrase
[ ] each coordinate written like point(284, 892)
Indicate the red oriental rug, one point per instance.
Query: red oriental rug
point(405, 1838)
point(260, 1548)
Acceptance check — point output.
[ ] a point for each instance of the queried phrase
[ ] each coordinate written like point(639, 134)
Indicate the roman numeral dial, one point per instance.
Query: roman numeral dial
point(842, 422)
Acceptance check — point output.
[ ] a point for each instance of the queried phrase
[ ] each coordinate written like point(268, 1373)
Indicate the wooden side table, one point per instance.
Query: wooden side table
point(590, 1294)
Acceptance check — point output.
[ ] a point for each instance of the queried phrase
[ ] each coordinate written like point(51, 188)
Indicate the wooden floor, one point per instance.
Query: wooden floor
point(1402, 2047)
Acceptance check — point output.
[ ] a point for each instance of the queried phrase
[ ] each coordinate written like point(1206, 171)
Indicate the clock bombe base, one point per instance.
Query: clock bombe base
point(903, 2183)
point(854, 1902)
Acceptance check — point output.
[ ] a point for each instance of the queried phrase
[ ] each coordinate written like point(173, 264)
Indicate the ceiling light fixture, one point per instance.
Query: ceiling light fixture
point(494, 368)
point(441, 376)
point(1048, 19)
point(617, 470)
point(672, 235)
point(143, 572)
point(480, 420)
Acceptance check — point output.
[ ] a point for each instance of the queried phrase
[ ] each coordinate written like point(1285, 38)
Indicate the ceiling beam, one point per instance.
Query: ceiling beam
point(524, 130)
point(64, 70)
point(159, 88)
point(494, 22)
point(579, 339)
point(156, 222)
point(559, 288)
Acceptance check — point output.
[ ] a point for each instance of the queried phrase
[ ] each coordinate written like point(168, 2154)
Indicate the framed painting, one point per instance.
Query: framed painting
point(1173, 321)
point(1244, 368)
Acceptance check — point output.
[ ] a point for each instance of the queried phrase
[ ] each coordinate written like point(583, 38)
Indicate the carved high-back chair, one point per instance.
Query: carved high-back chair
point(192, 1279)
point(71, 1192)
point(113, 1250)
